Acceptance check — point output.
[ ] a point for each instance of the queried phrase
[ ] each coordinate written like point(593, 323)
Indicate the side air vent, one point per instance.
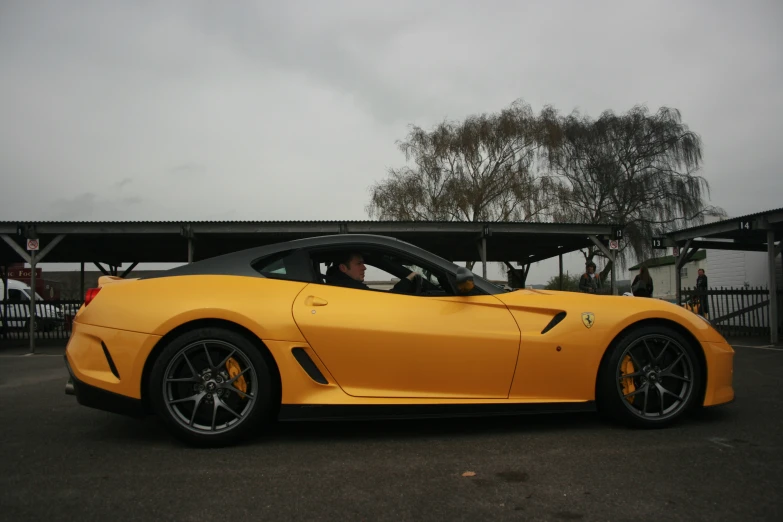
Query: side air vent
point(308, 365)
point(555, 320)
point(110, 360)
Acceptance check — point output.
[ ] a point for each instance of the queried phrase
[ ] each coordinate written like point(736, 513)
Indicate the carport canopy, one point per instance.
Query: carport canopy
point(115, 243)
point(757, 232)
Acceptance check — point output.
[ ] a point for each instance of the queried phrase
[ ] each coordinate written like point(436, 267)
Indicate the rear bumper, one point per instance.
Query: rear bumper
point(94, 397)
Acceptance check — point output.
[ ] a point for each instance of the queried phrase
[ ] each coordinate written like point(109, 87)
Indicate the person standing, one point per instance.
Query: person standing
point(642, 285)
point(590, 282)
point(701, 289)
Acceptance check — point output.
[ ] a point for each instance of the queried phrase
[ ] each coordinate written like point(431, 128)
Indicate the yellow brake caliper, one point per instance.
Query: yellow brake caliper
point(233, 370)
point(628, 384)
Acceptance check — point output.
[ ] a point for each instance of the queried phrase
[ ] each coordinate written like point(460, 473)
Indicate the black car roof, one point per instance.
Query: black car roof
point(240, 262)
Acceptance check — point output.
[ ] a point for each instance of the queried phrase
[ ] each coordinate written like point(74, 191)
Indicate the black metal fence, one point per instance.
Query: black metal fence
point(53, 320)
point(735, 311)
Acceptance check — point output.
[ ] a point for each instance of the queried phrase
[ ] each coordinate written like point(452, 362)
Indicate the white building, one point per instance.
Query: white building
point(738, 269)
point(724, 269)
point(662, 271)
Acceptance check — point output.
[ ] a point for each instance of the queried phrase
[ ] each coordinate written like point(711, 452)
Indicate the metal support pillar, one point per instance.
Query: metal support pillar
point(774, 313)
point(561, 271)
point(482, 248)
point(187, 232)
point(33, 259)
point(81, 283)
point(5, 301)
point(615, 290)
point(481, 244)
point(129, 269)
point(33, 313)
point(680, 262)
point(610, 255)
point(518, 274)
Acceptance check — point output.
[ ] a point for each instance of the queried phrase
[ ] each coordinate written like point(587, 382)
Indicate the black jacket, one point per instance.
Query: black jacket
point(644, 290)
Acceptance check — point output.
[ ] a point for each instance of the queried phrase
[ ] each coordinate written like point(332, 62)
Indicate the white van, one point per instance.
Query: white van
point(47, 316)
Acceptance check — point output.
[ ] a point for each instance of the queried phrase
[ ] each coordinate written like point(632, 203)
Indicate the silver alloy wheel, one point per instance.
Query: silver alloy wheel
point(661, 381)
point(202, 396)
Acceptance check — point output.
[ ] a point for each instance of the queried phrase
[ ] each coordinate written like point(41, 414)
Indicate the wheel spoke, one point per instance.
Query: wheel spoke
point(184, 379)
point(661, 389)
point(214, 412)
point(226, 407)
point(237, 376)
point(239, 392)
point(675, 376)
point(646, 396)
point(195, 407)
point(192, 369)
point(630, 375)
point(224, 361)
point(637, 391)
point(186, 399)
point(209, 359)
point(663, 350)
point(672, 365)
point(634, 360)
point(649, 352)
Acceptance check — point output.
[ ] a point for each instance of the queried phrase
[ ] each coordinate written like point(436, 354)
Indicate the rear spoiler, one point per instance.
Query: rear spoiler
point(107, 279)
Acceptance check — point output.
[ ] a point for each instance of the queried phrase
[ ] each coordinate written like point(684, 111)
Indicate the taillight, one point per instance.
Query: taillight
point(90, 295)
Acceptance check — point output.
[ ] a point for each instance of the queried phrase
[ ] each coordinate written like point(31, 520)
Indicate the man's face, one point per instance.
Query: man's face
point(701, 271)
point(355, 269)
point(590, 269)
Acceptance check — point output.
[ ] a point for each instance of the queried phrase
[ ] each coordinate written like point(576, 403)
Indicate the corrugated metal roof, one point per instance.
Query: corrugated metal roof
point(731, 220)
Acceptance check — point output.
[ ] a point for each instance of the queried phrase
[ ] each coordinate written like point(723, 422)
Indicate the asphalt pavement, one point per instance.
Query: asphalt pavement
point(60, 461)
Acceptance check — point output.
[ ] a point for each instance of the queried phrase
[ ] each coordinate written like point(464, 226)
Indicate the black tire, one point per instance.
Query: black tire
point(651, 373)
point(254, 403)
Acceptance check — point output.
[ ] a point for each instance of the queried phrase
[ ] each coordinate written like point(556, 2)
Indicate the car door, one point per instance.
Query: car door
point(381, 344)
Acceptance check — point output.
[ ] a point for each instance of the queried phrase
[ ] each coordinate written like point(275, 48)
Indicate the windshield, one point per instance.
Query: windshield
point(27, 293)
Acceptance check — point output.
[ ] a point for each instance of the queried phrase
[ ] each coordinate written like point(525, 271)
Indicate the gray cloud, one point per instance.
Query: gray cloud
point(290, 110)
point(187, 169)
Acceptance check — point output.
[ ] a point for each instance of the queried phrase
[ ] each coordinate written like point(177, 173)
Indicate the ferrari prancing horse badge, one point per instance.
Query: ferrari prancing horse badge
point(588, 318)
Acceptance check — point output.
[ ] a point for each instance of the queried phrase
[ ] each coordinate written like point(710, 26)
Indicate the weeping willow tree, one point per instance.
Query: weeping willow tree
point(637, 168)
point(478, 169)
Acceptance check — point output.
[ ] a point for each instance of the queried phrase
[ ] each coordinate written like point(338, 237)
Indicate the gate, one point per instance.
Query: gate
point(53, 321)
point(736, 312)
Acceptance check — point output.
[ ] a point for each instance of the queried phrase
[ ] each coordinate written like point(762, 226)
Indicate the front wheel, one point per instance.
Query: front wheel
point(211, 387)
point(650, 379)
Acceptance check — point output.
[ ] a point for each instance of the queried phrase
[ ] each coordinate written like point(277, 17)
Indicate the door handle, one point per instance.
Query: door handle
point(315, 301)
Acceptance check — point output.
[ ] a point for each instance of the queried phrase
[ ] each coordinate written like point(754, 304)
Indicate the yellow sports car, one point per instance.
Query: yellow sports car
point(221, 347)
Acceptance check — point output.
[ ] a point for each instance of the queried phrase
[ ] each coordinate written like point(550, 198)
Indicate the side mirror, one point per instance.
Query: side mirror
point(464, 281)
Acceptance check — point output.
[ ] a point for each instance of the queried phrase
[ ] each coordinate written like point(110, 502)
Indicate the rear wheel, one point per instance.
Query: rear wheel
point(211, 387)
point(650, 379)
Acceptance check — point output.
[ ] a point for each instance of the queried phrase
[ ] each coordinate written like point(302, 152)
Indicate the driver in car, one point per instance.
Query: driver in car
point(349, 272)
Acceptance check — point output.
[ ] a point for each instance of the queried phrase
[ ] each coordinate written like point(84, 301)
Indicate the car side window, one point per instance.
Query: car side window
point(291, 265)
point(16, 295)
point(385, 269)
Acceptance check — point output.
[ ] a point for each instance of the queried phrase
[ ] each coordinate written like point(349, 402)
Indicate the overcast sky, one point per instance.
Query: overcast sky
point(290, 110)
